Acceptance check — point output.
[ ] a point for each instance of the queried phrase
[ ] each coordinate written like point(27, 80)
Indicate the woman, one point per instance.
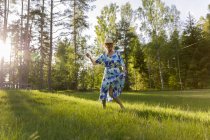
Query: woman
point(113, 79)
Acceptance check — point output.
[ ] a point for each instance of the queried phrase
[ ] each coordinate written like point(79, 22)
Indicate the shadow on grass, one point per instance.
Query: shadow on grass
point(192, 101)
point(48, 121)
point(54, 118)
point(39, 118)
point(176, 101)
point(183, 102)
point(176, 115)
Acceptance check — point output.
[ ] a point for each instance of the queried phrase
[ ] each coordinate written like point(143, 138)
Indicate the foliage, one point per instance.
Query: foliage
point(194, 59)
point(107, 24)
point(159, 52)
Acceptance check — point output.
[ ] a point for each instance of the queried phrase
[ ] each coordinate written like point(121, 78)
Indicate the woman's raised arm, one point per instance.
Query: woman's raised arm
point(89, 56)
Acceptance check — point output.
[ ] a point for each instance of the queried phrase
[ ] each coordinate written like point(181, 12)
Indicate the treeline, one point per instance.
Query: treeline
point(49, 45)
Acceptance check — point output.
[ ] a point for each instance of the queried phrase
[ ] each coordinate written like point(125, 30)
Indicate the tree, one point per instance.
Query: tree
point(155, 17)
point(26, 48)
point(78, 22)
point(51, 46)
point(40, 43)
point(42, 47)
point(5, 15)
point(62, 74)
point(175, 79)
point(14, 30)
point(107, 25)
point(125, 34)
point(138, 66)
point(194, 56)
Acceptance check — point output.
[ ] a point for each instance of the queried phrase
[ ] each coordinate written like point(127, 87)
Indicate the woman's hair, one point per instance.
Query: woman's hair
point(105, 49)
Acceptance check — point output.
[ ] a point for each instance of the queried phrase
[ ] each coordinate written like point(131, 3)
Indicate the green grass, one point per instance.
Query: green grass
point(67, 115)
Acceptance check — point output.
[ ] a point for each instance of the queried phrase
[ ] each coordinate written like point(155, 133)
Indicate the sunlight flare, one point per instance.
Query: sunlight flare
point(5, 49)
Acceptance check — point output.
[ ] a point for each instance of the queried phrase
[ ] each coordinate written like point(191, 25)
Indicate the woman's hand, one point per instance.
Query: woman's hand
point(88, 55)
point(124, 70)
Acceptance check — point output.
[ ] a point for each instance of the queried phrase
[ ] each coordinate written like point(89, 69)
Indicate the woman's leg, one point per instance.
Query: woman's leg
point(116, 99)
point(104, 104)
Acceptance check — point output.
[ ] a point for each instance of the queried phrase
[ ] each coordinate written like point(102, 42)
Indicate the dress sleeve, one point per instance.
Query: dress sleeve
point(100, 59)
point(121, 59)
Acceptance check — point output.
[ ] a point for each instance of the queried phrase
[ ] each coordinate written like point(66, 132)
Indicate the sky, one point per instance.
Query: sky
point(197, 8)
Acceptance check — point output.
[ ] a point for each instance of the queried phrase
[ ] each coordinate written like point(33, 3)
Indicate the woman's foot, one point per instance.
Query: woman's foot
point(122, 107)
point(104, 104)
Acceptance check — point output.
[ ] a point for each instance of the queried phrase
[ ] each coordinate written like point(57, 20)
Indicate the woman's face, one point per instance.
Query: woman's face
point(109, 46)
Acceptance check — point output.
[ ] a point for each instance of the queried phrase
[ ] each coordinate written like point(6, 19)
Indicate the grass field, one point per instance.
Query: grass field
point(69, 115)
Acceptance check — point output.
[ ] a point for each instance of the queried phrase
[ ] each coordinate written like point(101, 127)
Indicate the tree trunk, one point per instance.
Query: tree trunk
point(159, 62)
point(178, 65)
point(4, 41)
point(1, 72)
point(21, 49)
point(5, 21)
point(160, 69)
point(51, 41)
point(127, 81)
point(26, 50)
point(42, 49)
point(149, 74)
point(75, 48)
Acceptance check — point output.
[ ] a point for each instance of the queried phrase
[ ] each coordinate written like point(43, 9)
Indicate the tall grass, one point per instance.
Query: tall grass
point(68, 115)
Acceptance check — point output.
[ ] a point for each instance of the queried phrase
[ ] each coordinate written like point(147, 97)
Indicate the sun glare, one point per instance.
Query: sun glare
point(5, 49)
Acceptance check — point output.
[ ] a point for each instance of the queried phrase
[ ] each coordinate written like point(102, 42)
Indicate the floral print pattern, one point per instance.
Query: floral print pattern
point(112, 75)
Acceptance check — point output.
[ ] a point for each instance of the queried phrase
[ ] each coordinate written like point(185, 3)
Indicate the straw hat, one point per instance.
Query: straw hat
point(108, 40)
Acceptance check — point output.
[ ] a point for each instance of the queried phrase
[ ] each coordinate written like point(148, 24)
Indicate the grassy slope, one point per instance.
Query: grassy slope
point(68, 115)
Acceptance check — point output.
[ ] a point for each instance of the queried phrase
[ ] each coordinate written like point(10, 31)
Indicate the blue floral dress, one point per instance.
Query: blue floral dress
point(112, 75)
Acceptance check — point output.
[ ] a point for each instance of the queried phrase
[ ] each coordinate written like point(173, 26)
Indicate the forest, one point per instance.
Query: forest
point(49, 40)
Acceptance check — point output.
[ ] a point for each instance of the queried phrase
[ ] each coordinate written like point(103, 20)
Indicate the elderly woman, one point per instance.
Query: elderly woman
point(113, 79)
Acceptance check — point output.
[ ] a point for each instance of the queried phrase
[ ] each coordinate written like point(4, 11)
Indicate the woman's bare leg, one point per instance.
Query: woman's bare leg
point(117, 100)
point(104, 104)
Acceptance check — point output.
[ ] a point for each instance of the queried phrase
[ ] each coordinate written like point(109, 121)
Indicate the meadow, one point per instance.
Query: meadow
point(73, 115)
